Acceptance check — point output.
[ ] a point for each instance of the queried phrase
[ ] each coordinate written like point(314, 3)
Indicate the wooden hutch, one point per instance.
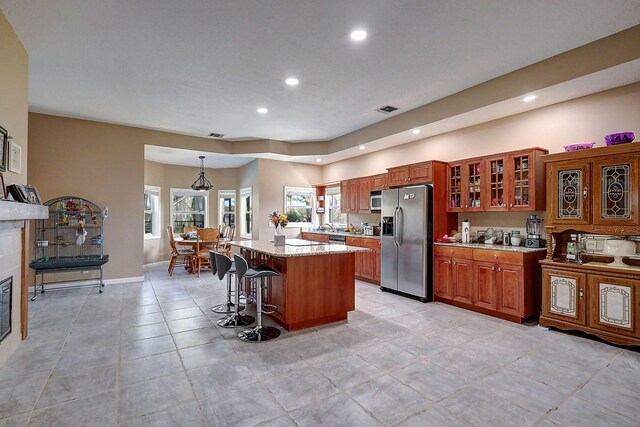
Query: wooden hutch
point(592, 191)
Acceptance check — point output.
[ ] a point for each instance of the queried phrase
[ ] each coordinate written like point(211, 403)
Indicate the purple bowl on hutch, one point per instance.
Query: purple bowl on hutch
point(576, 147)
point(619, 138)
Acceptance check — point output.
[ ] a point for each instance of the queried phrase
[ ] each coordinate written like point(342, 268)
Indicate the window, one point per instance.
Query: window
point(188, 209)
point(298, 205)
point(151, 212)
point(246, 212)
point(332, 199)
point(227, 207)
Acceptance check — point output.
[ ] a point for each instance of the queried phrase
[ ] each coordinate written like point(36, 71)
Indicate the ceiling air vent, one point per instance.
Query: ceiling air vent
point(216, 135)
point(387, 109)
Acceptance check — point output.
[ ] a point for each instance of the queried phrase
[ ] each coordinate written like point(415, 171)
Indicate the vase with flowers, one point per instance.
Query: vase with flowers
point(280, 221)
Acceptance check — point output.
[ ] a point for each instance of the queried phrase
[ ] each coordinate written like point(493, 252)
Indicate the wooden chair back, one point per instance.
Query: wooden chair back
point(230, 234)
point(172, 242)
point(210, 238)
point(190, 229)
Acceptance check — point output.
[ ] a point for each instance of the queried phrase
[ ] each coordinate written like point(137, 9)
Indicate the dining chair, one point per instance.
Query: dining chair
point(190, 229)
point(208, 239)
point(185, 256)
point(223, 244)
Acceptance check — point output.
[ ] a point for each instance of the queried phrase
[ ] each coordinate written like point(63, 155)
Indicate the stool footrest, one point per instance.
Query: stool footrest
point(269, 308)
point(226, 308)
point(259, 334)
point(235, 321)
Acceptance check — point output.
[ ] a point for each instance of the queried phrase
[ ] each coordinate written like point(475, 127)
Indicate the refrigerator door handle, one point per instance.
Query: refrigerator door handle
point(395, 227)
point(399, 225)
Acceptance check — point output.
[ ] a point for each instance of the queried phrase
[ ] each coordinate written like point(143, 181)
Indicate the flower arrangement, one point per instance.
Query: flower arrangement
point(279, 220)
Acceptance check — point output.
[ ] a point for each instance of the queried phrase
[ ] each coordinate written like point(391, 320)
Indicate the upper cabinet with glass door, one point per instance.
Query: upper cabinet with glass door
point(596, 189)
point(502, 182)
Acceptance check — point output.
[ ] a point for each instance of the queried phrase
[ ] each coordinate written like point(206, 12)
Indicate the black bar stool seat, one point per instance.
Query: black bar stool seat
point(260, 333)
point(224, 265)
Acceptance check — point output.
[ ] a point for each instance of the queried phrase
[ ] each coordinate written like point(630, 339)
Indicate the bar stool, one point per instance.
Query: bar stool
point(227, 307)
point(259, 333)
point(224, 265)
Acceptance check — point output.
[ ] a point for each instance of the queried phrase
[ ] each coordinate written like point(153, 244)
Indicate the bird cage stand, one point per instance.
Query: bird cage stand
point(70, 240)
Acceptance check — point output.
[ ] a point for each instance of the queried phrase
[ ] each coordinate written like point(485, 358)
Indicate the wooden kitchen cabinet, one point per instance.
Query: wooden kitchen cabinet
point(315, 237)
point(570, 187)
point(503, 182)
point(354, 196)
point(593, 298)
point(496, 282)
point(413, 174)
point(485, 288)
point(345, 200)
point(615, 191)
point(379, 182)
point(364, 194)
point(367, 263)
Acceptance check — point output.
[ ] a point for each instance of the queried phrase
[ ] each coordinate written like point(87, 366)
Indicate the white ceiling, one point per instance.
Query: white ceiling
point(199, 66)
point(182, 157)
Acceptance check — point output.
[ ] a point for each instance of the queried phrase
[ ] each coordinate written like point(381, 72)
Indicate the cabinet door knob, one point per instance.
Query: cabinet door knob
point(510, 205)
point(493, 268)
point(499, 268)
point(585, 192)
point(581, 293)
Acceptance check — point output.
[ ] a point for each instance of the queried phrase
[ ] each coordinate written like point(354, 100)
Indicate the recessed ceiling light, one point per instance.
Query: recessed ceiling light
point(292, 81)
point(415, 131)
point(358, 35)
point(529, 98)
point(262, 110)
point(362, 147)
point(318, 160)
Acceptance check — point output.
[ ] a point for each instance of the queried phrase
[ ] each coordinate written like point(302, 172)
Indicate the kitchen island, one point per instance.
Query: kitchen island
point(316, 283)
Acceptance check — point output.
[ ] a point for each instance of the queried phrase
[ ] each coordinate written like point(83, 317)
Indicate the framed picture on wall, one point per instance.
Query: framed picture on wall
point(4, 148)
point(32, 194)
point(15, 157)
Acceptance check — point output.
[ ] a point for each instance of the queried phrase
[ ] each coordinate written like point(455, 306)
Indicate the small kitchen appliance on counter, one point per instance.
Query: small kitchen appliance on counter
point(367, 230)
point(466, 231)
point(534, 233)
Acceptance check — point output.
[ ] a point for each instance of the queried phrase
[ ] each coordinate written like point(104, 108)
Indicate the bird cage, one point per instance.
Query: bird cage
point(70, 240)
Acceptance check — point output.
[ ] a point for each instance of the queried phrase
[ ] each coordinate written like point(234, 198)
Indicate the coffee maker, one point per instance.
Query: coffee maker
point(534, 233)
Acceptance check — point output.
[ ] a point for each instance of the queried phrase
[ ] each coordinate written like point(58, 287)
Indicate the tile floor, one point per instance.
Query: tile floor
point(150, 354)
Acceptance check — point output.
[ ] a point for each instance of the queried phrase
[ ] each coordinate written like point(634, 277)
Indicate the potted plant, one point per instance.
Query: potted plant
point(280, 221)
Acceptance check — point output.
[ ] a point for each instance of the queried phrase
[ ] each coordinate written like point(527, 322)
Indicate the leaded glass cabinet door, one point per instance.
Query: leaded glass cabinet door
point(569, 196)
point(563, 295)
point(613, 304)
point(615, 191)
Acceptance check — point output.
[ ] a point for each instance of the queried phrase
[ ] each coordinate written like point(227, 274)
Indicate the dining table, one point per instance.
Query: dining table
point(193, 243)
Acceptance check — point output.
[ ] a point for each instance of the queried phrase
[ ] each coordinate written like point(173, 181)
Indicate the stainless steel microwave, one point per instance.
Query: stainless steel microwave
point(375, 202)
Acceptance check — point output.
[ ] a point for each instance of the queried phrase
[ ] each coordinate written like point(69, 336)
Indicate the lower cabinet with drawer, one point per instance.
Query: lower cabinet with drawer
point(598, 300)
point(367, 263)
point(500, 283)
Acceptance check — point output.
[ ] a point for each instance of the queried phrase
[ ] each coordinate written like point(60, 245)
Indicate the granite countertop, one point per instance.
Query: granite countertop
point(268, 248)
point(342, 233)
point(493, 247)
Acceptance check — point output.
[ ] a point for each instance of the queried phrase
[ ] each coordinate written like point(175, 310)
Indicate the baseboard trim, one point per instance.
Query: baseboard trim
point(61, 285)
point(152, 264)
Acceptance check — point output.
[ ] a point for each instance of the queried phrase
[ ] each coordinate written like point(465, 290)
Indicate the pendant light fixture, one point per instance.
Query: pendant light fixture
point(202, 183)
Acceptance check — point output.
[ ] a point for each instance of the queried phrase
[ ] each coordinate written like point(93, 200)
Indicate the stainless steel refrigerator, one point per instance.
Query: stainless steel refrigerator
point(407, 241)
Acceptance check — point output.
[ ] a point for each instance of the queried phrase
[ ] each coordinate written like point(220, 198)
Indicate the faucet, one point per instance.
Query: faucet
point(329, 226)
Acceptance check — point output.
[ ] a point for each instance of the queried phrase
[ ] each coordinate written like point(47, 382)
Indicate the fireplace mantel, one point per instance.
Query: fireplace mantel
point(15, 211)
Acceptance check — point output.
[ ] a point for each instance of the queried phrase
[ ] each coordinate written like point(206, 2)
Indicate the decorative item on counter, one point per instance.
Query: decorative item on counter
point(280, 221)
point(573, 250)
point(619, 138)
point(466, 231)
point(499, 236)
point(619, 249)
point(576, 147)
point(445, 239)
point(516, 240)
point(506, 239)
point(489, 236)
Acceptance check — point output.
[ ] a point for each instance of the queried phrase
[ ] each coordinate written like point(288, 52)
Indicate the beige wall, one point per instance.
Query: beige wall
point(274, 176)
point(586, 119)
point(100, 162)
point(170, 176)
point(14, 74)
